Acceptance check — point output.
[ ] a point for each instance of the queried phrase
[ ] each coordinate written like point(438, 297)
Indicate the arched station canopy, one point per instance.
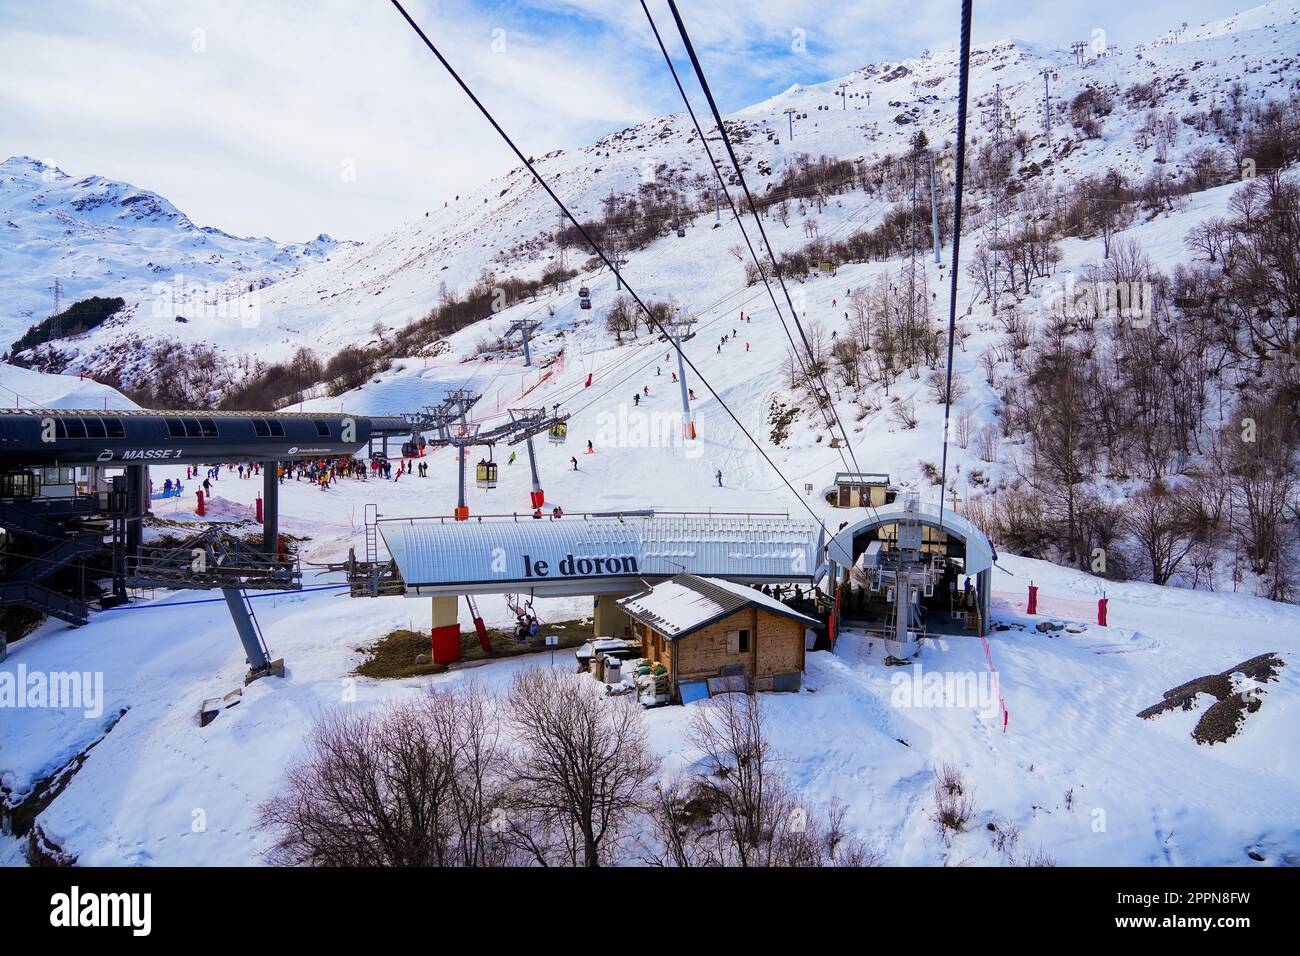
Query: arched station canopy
point(965, 541)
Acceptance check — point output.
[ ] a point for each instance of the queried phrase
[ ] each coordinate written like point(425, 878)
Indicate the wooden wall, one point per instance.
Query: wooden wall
point(776, 646)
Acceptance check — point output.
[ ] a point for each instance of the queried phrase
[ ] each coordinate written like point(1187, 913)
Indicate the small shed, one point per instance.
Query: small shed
point(857, 489)
point(700, 628)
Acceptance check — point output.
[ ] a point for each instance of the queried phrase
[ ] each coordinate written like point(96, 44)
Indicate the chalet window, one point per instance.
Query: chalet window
point(738, 642)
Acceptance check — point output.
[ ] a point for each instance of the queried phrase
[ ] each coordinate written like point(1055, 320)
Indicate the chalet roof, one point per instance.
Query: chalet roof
point(686, 603)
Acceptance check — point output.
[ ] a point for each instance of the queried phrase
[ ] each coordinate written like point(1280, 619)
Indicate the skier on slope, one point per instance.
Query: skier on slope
point(636, 398)
point(575, 463)
point(719, 477)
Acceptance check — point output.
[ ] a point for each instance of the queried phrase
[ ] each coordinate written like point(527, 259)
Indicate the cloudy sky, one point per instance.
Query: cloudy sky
point(293, 117)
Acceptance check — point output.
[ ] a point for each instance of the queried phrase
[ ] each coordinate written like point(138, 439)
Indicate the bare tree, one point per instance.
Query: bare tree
point(1158, 521)
point(739, 811)
point(580, 772)
point(415, 784)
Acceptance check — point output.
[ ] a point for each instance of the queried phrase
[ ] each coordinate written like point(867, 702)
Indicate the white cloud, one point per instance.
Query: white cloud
point(245, 113)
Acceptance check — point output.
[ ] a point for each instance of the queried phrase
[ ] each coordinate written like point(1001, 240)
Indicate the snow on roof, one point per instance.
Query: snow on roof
point(686, 603)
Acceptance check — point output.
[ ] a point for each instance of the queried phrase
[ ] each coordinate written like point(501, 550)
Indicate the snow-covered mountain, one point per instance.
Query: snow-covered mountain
point(107, 238)
point(97, 236)
point(1076, 751)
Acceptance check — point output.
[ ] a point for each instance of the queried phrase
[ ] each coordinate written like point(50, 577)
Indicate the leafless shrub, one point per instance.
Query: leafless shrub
point(1006, 835)
point(1039, 857)
point(965, 420)
point(987, 441)
point(954, 807)
point(903, 414)
point(937, 381)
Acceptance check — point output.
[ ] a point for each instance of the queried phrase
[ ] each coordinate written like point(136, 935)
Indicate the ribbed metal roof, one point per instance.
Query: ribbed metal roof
point(592, 554)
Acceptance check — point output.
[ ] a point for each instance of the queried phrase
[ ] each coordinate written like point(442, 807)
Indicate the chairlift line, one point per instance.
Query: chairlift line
point(713, 163)
point(963, 89)
point(541, 181)
point(776, 266)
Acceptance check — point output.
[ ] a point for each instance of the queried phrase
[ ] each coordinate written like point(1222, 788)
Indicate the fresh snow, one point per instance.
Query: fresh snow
point(1140, 792)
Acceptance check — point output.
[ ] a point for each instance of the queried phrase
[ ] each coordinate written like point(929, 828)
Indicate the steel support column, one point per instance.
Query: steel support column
point(270, 508)
point(538, 497)
point(258, 663)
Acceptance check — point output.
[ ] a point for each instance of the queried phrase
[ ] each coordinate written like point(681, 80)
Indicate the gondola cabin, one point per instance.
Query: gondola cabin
point(558, 433)
point(486, 474)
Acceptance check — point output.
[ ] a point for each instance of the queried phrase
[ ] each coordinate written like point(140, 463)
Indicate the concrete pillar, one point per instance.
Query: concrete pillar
point(446, 630)
point(610, 619)
point(270, 508)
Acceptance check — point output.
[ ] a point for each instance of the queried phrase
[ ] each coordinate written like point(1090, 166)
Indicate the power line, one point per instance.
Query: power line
point(830, 423)
point(776, 266)
point(596, 248)
point(962, 91)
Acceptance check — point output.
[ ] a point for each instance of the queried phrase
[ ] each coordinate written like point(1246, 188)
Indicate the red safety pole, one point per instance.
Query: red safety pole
point(1033, 599)
point(259, 510)
point(1101, 611)
point(200, 510)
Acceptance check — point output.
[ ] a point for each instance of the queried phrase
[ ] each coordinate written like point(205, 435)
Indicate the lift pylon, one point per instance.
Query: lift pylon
point(525, 328)
point(678, 329)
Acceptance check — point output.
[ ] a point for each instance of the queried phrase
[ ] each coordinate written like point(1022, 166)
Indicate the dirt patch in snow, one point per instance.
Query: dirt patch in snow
point(405, 653)
point(1223, 719)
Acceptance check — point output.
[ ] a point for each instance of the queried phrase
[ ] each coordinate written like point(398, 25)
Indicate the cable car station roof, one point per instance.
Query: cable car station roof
point(596, 554)
point(978, 551)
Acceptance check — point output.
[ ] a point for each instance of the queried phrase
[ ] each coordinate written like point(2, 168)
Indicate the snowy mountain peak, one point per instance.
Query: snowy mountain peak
point(101, 236)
